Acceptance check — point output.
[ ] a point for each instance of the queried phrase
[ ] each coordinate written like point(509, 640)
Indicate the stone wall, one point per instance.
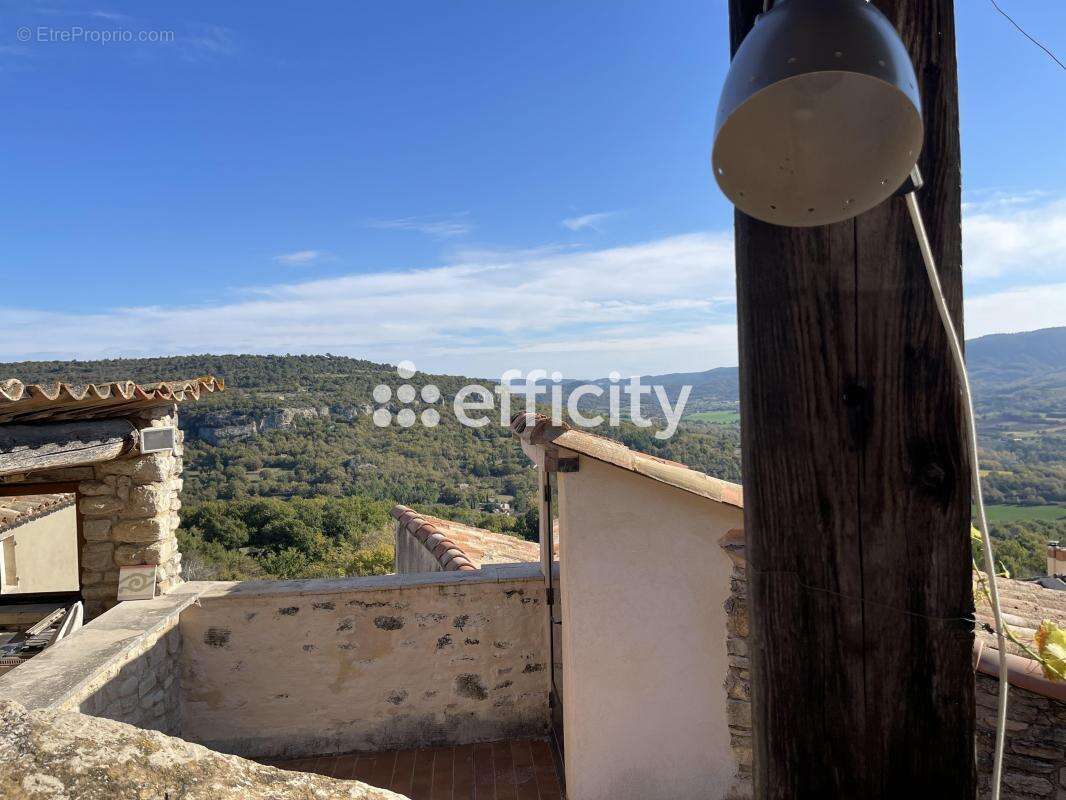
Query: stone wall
point(145, 690)
point(292, 668)
point(129, 511)
point(125, 665)
point(738, 677)
point(1034, 761)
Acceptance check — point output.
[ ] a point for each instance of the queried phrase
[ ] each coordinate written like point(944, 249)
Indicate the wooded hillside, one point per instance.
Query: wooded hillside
point(289, 454)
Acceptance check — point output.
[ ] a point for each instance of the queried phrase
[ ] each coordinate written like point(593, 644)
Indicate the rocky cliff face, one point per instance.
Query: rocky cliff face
point(49, 755)
point(219, 427)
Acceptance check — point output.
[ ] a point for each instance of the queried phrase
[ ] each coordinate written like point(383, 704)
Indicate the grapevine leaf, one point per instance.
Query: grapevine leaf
point(1051, 643)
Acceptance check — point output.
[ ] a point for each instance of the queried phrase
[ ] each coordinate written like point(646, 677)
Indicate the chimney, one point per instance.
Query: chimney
point(1056, 560)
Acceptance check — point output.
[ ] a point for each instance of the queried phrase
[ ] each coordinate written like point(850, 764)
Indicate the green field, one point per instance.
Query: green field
point(1008, 513)
point(717, 417)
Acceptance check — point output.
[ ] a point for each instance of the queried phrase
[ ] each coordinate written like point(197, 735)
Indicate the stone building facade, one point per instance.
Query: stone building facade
point(128, 504)
point(129, 513)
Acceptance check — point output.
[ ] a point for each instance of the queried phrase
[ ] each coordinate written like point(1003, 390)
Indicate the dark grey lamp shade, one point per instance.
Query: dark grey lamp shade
point(820, 116)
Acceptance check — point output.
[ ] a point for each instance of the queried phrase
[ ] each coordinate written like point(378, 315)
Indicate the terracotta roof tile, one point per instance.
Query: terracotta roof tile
point(20, 402)
point(1024, 606)
point(463, 547)
point(536, 429)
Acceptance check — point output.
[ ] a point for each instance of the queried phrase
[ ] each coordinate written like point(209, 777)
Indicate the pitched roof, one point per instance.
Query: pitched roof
point(1024, 606)
point(20, 402)
point(17, 510)
point(537, 429)
point(463, 547)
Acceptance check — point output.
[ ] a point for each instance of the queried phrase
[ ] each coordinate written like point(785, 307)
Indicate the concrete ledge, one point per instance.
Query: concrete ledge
point(61, 674)
point(496, 573)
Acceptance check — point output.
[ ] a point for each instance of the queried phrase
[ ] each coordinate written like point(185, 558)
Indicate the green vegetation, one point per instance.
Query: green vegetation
point(1021, 546)
point(716, 417)
point(1008, 513)
point(262, 489)
point(310, 496)
point(297, 538)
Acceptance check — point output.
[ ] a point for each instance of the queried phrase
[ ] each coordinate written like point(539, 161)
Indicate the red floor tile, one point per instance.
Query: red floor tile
point(484, 775)
point(422, 781)
point(346, 767)
point(381, 776)
point(520, 770)
point(364, 767)
point(403, 773)
point(443, 765)
point(544, 769)
point(525, 779)
point(504, 768)
point(463, 773)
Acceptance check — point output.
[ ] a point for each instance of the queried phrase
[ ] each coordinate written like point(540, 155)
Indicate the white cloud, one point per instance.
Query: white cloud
point(591, 221)
point(439, 227)
point(299, 257)
point(635, 308)
point(659, 306)
point(1014, 310)
point(1014, 238)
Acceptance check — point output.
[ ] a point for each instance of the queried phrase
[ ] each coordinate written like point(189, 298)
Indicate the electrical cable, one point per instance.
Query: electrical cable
point(975, 477)
point(1026, 35)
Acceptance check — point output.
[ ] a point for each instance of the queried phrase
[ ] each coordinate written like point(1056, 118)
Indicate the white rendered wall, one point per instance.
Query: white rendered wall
point(644, 638)
point(46, 554)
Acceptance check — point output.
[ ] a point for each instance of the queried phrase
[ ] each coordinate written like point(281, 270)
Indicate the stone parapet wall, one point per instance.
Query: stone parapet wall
point(294, 668)
point(411, 555)
point(1034, 760)
point(144, 691)
point(129, 512)
point(125, 665)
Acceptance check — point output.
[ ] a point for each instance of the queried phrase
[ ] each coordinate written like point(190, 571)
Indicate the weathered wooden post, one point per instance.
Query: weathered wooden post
point(857, 499)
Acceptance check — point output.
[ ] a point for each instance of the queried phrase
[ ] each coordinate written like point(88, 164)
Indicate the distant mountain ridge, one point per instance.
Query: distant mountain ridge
point(1026, 371)
point(1000, 363)
point(299, 428)
point(1045, 348)
point(1032, 364)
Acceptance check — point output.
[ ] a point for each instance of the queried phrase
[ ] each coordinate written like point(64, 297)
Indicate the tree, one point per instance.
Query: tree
point(216, 524)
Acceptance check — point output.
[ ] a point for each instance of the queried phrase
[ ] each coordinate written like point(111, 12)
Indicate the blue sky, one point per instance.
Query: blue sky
point(473, 186)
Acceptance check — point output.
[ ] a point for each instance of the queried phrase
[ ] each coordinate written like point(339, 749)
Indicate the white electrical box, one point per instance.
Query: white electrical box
point(158, 440)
